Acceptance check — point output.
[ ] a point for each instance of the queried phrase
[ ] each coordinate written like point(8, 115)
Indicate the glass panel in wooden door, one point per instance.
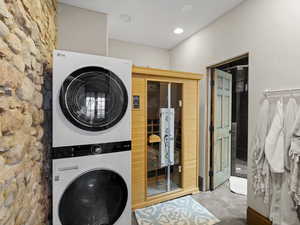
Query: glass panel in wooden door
point(157, 99)
point(175, 166)
point(164, 137)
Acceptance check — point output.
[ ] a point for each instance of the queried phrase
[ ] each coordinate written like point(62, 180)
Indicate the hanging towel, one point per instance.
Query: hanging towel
point(274, 146)
point(288, 211)
point(289, 214)
point(289, 121)
point(294, 155)
point(166, 153)
point(275, 210)
point(261, 170)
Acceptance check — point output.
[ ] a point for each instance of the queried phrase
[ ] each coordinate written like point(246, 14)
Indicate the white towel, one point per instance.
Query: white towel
point(261, 173)
point(288, 211)
point(289, 121)
point(274, 146)
point(275, 211)
point(294, 155)
point(289, 214)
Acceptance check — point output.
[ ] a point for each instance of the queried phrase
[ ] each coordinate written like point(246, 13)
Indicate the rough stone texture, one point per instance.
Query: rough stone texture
point(26, 91)
point(27, 39)
point(14, 42)
point(4, 31)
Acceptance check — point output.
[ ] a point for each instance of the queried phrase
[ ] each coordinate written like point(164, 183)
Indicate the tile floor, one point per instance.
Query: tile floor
point(228, 207)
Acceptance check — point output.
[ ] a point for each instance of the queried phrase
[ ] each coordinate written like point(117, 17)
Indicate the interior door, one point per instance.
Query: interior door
point(222, 94)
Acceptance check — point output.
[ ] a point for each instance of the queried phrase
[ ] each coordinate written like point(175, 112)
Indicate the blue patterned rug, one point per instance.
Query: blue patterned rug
point(181, 211)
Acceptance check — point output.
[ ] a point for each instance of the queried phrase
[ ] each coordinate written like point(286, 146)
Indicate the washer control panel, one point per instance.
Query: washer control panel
point(84, 150)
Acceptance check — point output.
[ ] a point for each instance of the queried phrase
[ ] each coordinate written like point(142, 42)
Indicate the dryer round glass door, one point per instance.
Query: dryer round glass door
point(96, 197)
point(93, 98)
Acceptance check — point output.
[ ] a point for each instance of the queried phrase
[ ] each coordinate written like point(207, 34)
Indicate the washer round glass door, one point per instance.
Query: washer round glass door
point(96, 197)
point(93, 98)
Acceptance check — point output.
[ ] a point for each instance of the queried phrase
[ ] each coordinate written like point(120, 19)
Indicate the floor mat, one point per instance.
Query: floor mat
point(238, 185)
point(181, 211)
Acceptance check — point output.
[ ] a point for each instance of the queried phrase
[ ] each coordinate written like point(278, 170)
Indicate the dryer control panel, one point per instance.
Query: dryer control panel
point(85, 150)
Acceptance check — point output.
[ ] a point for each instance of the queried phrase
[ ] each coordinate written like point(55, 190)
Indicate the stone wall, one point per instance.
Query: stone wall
point(27, 38)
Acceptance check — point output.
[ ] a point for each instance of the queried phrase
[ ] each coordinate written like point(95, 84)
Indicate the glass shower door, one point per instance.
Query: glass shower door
point(164, 137)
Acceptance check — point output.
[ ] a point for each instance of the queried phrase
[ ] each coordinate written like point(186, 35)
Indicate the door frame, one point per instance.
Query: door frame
point(207, 183)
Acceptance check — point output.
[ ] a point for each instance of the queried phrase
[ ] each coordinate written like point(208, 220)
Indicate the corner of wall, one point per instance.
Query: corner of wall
point(75, 35)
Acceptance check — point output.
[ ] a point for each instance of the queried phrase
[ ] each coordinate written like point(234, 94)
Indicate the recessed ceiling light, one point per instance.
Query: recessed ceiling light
point(187, 8)
point(178, 30)
point(125, 18)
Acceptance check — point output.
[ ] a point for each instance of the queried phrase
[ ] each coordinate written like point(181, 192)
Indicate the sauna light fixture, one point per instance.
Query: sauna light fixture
point(125, 18)
point(187, 8)
point(178, 30)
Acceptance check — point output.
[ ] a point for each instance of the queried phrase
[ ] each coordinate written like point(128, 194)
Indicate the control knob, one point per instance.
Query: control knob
point(97, 149)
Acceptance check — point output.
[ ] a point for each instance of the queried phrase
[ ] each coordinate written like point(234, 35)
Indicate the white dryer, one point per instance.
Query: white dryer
point(91, 99)
point(90, 186)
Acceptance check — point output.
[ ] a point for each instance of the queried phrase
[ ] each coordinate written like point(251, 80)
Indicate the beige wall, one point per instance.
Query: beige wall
point(91, 36)
point(81, 30)
point(269, 31)
point(140, 55)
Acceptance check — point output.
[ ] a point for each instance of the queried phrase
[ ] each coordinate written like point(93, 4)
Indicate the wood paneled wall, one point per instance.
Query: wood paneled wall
point(138, 142)
point(190, 134)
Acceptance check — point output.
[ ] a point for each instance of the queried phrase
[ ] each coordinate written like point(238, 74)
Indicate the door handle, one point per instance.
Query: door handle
point(68, 168)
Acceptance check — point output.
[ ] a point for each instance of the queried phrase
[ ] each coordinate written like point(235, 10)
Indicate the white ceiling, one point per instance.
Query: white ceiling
point(153, 21)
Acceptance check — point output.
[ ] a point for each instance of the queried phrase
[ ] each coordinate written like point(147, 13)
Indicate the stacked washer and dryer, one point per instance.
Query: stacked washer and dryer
point(91, 140)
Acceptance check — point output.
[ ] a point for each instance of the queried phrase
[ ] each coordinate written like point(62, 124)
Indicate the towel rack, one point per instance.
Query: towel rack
point(281, 92)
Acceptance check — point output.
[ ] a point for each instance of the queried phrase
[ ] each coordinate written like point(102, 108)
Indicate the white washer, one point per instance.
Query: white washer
point(92, 189)
point(91, 99)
